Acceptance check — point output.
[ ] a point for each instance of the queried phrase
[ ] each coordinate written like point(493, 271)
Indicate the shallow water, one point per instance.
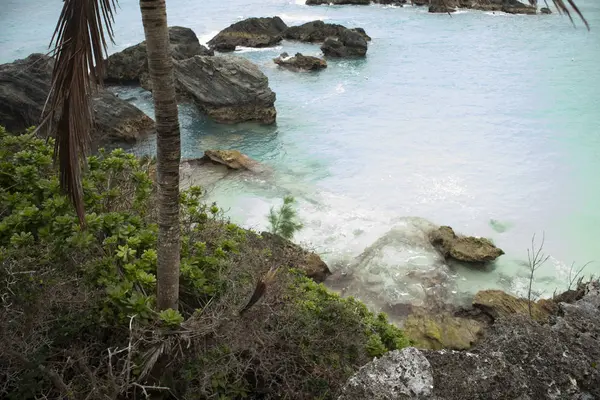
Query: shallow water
point(458, 120)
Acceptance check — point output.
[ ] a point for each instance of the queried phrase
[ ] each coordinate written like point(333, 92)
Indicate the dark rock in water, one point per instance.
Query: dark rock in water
point(300, 62)
point(517, 358)
point(420, 2)
point(229, 89)
point(232, 159)
point(338, 2)
point(398, 3)
point(462, 248)
point(117, 120)
point(318, 31)
point(545, 10)
point(437, 9)
point(131, 65)
point(507, 6)
point(348, 44)
point(24, 87)
point(251, 32)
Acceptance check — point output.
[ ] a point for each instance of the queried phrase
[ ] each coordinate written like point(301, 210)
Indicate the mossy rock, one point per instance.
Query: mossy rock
point(466, 249)
point(442, 331)
point(498, 304)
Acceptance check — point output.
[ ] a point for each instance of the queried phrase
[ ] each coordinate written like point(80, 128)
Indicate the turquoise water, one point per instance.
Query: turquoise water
point(457, 120)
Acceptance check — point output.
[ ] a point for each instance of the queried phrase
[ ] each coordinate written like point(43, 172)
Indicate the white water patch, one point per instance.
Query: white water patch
point(204, 39)
point(496, 13)
point(461, 11)
point(300, 2)
point(242, 49)
point(292, 18)
point(340, 88)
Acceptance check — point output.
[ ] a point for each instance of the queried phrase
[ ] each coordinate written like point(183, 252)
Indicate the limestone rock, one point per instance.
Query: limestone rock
point(442, 331)
point(227, 88)
point(318, 31)
point(300, 62)
point(498, 304)
point(131, 65)
point(462, 248)
point(348, 44)
point(251, 32)
point(232, 159)
point(404, 374)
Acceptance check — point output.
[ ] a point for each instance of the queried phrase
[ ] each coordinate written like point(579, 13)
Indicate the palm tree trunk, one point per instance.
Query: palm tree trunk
point(160, 64)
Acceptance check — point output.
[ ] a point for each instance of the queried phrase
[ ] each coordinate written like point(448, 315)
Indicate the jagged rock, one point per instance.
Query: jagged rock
point(318, 31)
point(338, 2)
point(463, 248)
point(545, 10)
point(251, 32)
point(442, 331)
point(310, 263)
point(498, 304)
point(348, 44)
point(300, 62)
point(24, 87)
point(232, 159)
point(229, 89)
point(437, 9)
point(131, 65)
point(404, 374)
point(507, 6)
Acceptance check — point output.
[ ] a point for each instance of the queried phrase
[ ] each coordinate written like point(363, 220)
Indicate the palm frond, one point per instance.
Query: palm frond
point(564, 9)
point(80, 41)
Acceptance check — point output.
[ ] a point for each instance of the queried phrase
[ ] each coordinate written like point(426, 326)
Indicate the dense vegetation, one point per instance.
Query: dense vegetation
point(77, 305)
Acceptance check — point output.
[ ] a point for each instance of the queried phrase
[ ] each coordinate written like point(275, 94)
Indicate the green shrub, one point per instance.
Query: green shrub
point(78, 305)
point(284, 221)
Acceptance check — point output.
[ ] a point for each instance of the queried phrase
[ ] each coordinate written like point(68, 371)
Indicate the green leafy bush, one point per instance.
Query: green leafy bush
point(78, 305)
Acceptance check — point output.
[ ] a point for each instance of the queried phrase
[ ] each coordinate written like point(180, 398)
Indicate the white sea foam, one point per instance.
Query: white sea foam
point(203, 39)
point(302, 17)
point(241, 49)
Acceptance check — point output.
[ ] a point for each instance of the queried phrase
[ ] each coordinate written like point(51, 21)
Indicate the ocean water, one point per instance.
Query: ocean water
point(458, 121)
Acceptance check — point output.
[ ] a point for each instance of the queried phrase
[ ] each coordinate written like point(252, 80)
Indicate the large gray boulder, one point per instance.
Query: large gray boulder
point(318, 31)
point(251, 32)
point(131, 65)
point(24, 88)
point(398, 374)
point(229, 89)
point(348, 44)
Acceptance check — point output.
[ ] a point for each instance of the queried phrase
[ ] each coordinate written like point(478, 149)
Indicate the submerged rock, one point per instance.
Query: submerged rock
point(545, 10)
point(399, 374)
point(462, 248)
point(232, 159)
point(131, 65)
point(229, 89)
point(300, 62)
point(24, 88)
point(251, 32)
point(348, 44)
point(318, 31)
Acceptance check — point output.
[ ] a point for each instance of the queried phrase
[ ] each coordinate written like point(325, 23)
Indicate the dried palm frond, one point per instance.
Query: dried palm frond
point(261, 289)
point(80, 42)
point(564, 9)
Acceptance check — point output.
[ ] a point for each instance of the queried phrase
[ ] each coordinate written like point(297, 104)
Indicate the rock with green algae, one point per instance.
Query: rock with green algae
point(232, 159)
point(466, 249)
point(498, 304)
point(442, 331)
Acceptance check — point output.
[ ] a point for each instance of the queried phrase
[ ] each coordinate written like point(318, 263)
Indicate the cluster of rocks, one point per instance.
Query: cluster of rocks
point(518, 356)
point(336, 40)
point(447, 6)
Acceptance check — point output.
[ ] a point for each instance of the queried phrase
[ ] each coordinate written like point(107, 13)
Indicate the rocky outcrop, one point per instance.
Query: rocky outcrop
point(300, 62)
point(229, 89)
point(507, 6)
point(318, 31)
point(517, 358)
point(404, 374)
point(338, 2)
point(439, 9)
point(462, 248)
point(131, 65)
point(232, 159)
point(310, 263)
point(251, 32)
point(442, 331)
point(348, 44)
point(498, 304)
point(24, 87)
